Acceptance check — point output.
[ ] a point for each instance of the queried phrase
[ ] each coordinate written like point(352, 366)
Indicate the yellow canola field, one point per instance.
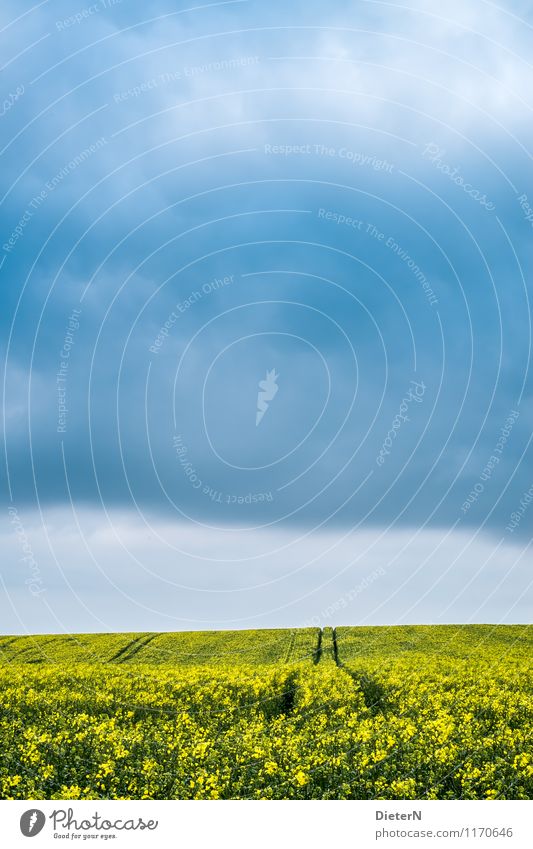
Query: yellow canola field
point(382, 723)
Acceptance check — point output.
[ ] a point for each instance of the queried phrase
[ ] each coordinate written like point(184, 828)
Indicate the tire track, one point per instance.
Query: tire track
point(132, 648)
point(318, 651)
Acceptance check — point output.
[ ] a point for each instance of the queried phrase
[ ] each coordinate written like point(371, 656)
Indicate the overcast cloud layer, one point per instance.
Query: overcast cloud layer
point(266, 317)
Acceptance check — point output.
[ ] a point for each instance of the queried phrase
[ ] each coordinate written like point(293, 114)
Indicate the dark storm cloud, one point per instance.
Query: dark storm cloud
point(145, 161)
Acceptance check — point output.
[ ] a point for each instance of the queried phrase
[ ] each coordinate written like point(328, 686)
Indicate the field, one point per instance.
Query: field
point(421, 712)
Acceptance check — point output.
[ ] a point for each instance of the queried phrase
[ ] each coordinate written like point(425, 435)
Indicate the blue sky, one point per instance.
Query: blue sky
point(194, 198)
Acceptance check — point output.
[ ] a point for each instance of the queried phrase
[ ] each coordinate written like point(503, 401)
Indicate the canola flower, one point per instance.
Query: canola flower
point(397, 714)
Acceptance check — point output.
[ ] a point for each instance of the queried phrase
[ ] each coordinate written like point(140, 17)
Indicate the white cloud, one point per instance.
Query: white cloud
point(125, 572)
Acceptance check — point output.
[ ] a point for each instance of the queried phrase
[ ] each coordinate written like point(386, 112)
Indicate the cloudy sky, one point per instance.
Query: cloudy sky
point(265, 309)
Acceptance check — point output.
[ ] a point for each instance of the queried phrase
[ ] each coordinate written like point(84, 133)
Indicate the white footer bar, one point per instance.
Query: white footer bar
point(268, 825)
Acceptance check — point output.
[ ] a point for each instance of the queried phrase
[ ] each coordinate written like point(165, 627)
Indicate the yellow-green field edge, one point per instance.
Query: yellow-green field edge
point(270, 646)
point(402, 712)
point(189, 648)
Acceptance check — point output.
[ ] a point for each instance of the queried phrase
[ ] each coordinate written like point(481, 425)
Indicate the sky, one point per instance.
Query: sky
point(265, 314)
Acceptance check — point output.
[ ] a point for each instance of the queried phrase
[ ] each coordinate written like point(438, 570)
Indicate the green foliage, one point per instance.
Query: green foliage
point(369, 713)
point(191, 648)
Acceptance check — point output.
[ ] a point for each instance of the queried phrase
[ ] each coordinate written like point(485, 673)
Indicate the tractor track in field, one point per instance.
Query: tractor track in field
point(290, 650)
point(324, 650)
point(335, 647)
point(318, 651)
point(132, 648)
